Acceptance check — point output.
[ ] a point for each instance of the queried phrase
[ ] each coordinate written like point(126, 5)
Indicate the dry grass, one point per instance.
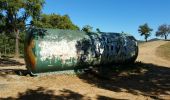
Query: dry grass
point(147, 79)
point(164, 51)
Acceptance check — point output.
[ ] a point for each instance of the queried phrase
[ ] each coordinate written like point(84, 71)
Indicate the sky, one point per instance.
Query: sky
point(113, 15)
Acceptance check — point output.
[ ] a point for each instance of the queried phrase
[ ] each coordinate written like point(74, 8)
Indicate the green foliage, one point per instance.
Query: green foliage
point(7, 46)
point(13, 16)
point(55, 21)
point(163, 31)
point(21, 42)
point(87, 28)
point(16, 12)
point(98, 30)
point(33, 8)
point(145, 31)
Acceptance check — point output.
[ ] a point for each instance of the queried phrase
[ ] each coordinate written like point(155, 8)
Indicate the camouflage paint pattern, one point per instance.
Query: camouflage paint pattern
point(48, 50)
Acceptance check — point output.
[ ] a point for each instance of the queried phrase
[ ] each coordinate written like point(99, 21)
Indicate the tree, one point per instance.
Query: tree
point(2, 17)
point(87, 28)
point(98, 30)
point(56, 21)
point(145, 31)
point(16, 13)
point(163, 31)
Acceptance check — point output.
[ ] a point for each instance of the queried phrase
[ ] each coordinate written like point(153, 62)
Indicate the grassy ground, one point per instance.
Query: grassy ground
point(164, 51)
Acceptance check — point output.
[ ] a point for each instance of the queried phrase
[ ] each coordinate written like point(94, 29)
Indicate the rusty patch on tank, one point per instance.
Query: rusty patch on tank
point(31, 56)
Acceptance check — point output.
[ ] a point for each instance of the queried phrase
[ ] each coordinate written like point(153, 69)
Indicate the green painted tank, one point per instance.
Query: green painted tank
point(48, 50)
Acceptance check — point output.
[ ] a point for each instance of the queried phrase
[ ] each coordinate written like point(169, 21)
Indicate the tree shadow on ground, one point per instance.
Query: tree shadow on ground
point(9, 62)
point(20, 72)
point(45, 94)
point(107, 98)
point(139, 79)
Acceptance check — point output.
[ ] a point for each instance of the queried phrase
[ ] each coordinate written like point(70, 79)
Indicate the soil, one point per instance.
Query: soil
point(148, 79)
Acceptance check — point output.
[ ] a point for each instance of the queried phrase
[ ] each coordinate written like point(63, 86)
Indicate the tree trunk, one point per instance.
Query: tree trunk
point(146, 40)
point(16, 43)
point(5, 50)
point(165, 37)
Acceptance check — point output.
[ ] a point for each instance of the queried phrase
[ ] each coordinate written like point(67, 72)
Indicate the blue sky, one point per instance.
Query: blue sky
point(113, 15)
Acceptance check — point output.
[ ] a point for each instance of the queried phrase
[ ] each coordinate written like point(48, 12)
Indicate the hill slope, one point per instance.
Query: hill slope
point(164, 51)
point(148, 53)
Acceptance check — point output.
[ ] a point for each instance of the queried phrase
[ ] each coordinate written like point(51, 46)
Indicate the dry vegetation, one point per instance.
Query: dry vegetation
point(164, 51)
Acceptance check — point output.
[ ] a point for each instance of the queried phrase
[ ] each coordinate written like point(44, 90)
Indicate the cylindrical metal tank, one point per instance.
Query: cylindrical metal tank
point(48, 50)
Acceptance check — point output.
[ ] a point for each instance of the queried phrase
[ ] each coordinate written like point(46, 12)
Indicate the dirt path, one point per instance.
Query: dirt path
point(147, 53)
point(149, 81)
